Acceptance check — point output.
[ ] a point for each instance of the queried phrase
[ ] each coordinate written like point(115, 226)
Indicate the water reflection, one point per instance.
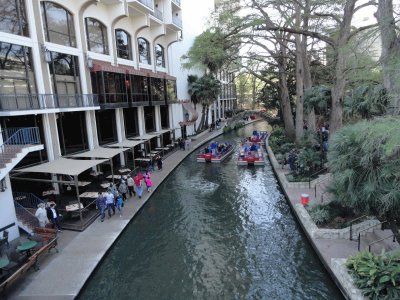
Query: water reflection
point(213, 232)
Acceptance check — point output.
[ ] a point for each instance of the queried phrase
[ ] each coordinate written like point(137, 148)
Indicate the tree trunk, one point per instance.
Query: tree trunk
point(201, 124)
point(339, 84)
point(390, 54)
point(299, 79)
point(206, 120)
point(311, 120)
point(284, 98)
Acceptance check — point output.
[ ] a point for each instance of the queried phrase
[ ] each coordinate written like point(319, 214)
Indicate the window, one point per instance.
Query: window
point(123, 40)
point(96, 36)
point(16, 72)
point(58, 24)
point(144, 51)
point(64, 70)
point(160, 60)
point(13, 17)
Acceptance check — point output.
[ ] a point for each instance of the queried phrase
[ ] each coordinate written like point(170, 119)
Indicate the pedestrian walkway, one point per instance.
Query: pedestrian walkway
point(63, 274)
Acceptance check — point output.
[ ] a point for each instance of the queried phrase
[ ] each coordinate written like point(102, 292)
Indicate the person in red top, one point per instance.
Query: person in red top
point(138, 184)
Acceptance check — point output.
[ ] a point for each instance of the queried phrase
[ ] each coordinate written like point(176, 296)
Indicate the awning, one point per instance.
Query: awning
point(126, 144)
point(144, 137)
point(63, 166)
point(100, 152)
point(161, 132)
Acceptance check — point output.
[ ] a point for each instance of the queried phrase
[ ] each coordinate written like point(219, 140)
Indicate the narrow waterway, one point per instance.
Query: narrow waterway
point(213, 231)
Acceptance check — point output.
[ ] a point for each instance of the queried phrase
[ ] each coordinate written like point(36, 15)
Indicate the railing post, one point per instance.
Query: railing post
point(359, 241)
point(351, 231)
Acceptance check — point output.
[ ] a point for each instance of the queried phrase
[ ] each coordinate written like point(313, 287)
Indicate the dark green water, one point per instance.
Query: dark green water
point(213, 232)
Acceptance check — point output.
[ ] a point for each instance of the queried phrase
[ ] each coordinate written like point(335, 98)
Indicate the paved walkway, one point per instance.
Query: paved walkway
point(63, 274)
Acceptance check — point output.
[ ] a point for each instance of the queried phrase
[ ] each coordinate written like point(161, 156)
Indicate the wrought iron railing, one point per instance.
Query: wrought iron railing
point(381, 240)
point(15, 138)
point(157, 13)
point(177, 21)
point(42, 101)
point(366, 230)
point(27, 200)
point(25, 216)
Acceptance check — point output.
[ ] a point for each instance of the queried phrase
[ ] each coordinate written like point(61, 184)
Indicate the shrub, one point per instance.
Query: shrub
point(319, 214)
point(378, 276)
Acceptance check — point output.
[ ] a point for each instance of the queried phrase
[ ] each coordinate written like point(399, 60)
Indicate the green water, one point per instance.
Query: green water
point(213, 231)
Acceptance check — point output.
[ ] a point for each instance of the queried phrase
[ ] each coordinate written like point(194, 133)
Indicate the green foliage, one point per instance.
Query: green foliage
point(204, 89)
point(309, 161)
point(378, 276)
point(364, 160)
point(319, 214)
point(319, 98)
point(366, 101)
point(277, 139)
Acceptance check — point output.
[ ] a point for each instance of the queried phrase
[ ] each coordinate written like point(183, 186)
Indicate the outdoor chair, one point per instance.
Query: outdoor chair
point(16, 259)
point(4, 241)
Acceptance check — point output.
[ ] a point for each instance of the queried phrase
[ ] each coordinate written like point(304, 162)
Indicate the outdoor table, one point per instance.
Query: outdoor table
point(73, 207)
point(80, 183)
point(124, 170)
point(49, 192)
point(27, 247)
point(143, 159)
point(115, 176)
point(95, 174)
point(105, 185)
point(89, 195)
point(4, 263)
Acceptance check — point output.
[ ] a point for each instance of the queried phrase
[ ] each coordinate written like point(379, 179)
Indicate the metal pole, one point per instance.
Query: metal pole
point(77, 194)
point(133, 157)
point(112, 170)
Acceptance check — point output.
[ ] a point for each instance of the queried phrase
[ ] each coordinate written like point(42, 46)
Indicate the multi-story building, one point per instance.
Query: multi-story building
point(76, 75)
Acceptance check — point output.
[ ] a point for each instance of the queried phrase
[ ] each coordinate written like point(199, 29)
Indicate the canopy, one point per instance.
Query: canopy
point(100, 152)
point(144, 137)
point(63, 166)
point(161, 131)
point(126, 144)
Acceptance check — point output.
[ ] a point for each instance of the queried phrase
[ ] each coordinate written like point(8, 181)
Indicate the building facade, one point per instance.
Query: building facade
point(84, 73)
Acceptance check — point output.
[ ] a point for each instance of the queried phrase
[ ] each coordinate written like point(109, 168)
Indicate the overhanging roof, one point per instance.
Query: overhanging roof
point(63, 166)
point(100, 152)
point(144, 137)
point(162, 131)
point(126, 144)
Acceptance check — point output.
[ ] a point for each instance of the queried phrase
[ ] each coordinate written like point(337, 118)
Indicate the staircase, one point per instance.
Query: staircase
point(18, 143)
point(25, 208)
point(378, 240)
point(188, 106)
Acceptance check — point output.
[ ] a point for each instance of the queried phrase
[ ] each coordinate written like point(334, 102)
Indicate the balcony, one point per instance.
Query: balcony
point(157, 14)
point(21, 102)
point(177, 21)
point(148, 3)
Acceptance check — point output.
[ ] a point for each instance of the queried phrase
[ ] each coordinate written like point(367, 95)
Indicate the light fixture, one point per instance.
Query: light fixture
point(3, 185)
point(89, 61)
point(46, 54)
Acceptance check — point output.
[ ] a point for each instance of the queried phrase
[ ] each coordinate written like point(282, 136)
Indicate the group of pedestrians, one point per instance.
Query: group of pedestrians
point(185, 144)
point(116, 195)
point(44, 213)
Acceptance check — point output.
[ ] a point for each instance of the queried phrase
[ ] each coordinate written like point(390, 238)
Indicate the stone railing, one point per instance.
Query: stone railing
point(338, 266)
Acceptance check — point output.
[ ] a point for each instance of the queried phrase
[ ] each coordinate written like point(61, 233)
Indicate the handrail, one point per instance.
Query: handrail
point(318, 183)
point(27, 200)
point(351, 225)
point(380, 240)
point(359, 233)
point(29, 219)
point(316, 173)
point(22, 136)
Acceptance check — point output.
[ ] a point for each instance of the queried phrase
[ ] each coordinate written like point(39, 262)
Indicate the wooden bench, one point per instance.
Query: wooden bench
point(49, 242)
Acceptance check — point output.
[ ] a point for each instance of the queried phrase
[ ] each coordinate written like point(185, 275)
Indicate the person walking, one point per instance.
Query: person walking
point(53, 215)
point(110, 203)
point(119, 203)
point(131, 184)
point(159, 163)
point(41, 215)
point(138, 184)
point(101, 204)
point(149, 183)
point(123, 189)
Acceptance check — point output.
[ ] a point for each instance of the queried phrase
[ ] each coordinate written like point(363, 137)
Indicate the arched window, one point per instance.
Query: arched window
point(96, 34)
point(160, 59)
point(123, 41)
point(58, 24)
point(144, 51)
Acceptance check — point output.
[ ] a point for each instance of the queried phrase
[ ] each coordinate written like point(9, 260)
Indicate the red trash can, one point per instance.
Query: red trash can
point(304, 199)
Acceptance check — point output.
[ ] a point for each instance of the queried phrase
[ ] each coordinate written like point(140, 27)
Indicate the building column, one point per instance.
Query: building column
point(51, 141)
point(158, 123)
point(140, 117)
point(119, 121)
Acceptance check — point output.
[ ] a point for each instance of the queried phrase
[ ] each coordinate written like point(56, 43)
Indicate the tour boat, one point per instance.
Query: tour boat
point(251, 154)
point(216, 152)
point(258, 137)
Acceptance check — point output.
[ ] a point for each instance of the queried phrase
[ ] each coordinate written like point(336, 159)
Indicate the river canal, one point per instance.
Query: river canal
point(213, 231)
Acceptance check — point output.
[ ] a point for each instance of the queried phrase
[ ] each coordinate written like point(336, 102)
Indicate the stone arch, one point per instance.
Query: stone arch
point(247, 113)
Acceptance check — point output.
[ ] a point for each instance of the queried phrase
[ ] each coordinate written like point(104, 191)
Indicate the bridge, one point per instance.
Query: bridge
point(247, 113)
